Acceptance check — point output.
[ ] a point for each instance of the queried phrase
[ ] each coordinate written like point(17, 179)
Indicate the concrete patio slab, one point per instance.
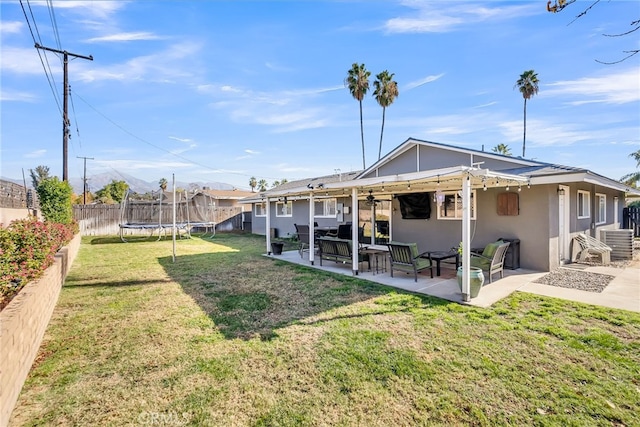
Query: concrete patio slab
point(623, 292)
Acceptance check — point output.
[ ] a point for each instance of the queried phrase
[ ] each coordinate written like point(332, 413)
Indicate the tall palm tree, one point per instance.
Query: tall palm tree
point(253, 183)
point(358, 83)
point(527, 84)
point(262, 185)
point(632, 178)
point(386, 91)
point(502, 149)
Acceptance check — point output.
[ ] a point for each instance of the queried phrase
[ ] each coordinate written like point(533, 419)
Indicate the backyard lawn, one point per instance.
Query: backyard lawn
point(226, 337)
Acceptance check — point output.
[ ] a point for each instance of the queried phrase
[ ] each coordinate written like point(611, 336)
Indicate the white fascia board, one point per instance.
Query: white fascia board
point(583, 177)
point(487, 173)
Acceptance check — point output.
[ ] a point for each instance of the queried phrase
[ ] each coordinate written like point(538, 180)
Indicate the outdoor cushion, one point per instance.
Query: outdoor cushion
point(491, 248)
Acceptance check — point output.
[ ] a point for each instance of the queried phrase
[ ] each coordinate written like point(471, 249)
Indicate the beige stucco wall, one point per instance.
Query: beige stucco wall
point(22, 326)
point(8, 214)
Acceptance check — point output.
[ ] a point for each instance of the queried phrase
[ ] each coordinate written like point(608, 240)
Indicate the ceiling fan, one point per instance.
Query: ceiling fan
point(371, 200)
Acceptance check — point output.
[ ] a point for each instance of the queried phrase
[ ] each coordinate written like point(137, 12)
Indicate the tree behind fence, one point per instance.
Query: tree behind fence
point(104, 220)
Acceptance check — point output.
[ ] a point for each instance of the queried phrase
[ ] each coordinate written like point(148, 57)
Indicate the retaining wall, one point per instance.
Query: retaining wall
point(22, 326)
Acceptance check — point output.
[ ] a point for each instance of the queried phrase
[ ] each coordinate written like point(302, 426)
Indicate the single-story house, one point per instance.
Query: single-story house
point(438, 195)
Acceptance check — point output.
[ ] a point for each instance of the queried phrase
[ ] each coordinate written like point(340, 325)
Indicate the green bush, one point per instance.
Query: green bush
point(27, 248)
point(55, 200)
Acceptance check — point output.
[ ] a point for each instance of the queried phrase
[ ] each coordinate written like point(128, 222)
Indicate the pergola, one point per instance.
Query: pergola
point(459, 178)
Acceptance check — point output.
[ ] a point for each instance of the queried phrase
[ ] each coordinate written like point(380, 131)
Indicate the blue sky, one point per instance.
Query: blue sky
point(222, 91)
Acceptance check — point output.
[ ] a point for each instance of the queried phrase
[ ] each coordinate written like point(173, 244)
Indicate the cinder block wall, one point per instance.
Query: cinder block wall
point(22, 326)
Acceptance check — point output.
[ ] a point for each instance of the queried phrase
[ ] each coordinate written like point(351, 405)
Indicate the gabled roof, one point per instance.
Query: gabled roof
point(547, 173)
point(412, 142)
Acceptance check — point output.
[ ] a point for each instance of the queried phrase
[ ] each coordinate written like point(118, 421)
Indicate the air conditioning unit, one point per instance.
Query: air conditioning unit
point(620, 242)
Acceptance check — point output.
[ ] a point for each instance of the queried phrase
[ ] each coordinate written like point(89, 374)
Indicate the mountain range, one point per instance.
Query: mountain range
point(98, 181)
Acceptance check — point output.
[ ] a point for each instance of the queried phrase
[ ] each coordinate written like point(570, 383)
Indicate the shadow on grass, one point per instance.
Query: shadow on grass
point(118, 284)
point(248, 295)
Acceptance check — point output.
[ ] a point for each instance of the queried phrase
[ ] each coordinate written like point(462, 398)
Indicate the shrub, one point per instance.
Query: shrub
point(55, 200)
point(27, 248)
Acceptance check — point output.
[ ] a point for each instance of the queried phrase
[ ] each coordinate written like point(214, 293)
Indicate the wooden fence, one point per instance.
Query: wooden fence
point(631, 220)
point(15, 196)
point(104, 220)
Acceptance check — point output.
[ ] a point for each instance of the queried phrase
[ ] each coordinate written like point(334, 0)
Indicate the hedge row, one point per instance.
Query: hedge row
point(27, 249)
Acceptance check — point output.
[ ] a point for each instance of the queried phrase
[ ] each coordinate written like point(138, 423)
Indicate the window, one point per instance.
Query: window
point(451, 207)
point(583, 204)
point(261, 209)
point(325, 208)
point(601, 214)
point(284, 209)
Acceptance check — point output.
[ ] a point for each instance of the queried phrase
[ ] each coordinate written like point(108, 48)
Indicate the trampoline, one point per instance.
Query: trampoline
point(154, 214)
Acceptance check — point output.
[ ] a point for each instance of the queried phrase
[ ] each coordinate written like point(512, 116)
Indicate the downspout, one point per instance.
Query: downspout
point(354, 231)
point(312, 233)
point(268, 225)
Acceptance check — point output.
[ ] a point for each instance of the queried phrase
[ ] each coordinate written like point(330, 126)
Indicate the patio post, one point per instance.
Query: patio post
point(268, 231)
point(355, 265)
point(311, 228)
point(466, 234)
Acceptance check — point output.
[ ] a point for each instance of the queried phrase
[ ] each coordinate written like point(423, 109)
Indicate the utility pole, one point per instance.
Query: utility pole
point(65, 113)
point(84, 179)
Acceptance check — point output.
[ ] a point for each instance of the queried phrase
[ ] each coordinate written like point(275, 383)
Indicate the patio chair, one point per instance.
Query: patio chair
point(302, 231)
point(492, 258)
point(405, 257)
point(589, 247)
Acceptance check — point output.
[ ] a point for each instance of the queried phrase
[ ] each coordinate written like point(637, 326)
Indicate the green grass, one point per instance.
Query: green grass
point(226, 337)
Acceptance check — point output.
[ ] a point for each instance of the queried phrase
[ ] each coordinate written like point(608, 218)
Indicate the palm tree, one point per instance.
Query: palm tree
point(527, 84)
point(163, 183)
point(262, 185)
point(253, 183)
point(502, 149)
point(386, 91)
point(358, 83)
point(632, 178)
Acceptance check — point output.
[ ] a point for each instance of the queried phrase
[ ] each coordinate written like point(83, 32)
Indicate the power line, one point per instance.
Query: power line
point(65, 115)
point(157, 147)
point(48, 73)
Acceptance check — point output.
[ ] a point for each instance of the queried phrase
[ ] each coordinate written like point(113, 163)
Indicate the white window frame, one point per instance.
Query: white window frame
point(457, 211)
point(329, 208)
point(261, 209)
point(284, 209)
point(601, 208)
point(583, 204)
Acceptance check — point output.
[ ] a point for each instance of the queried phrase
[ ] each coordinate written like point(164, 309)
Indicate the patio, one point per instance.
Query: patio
point(444, 286)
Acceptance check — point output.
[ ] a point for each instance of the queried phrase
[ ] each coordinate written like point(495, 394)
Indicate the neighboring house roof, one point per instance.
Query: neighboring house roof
point(301, 183)
point(228, 194)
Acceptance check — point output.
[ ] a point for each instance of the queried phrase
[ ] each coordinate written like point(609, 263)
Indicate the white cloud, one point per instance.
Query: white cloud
point(251, 151)
point(125, 37)
point(164, 66)
point(8, 95)
point(423, 81)
point(98, 9)
point(25, 61)
point(446, 16)
point(619, 87)
point(36, 154)
point(10, 27)
point(180, 139)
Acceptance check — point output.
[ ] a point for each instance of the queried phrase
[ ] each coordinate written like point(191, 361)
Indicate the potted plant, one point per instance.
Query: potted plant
point(276, 248)
point(476, 277)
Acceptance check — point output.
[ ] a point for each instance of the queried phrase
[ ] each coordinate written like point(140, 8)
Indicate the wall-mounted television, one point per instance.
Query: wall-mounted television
point(415, 205)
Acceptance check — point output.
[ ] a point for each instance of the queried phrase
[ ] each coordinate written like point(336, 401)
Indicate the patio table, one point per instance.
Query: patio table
point(378, 267)
point(439, 256)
